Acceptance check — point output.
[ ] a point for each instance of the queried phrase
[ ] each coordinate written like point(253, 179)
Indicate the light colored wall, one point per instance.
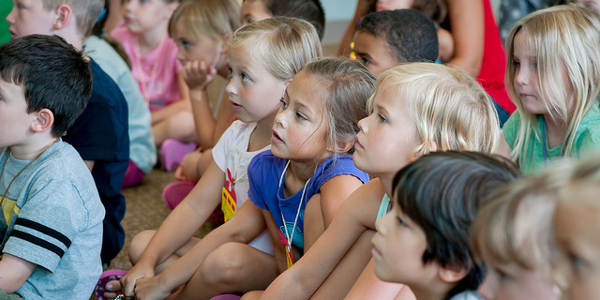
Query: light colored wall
point(338, 14)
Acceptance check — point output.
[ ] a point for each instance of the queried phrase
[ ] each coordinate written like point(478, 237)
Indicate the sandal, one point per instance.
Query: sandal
point(106, 277)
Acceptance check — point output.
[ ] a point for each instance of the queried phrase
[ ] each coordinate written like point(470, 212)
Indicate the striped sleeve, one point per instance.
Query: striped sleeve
point(45, 227)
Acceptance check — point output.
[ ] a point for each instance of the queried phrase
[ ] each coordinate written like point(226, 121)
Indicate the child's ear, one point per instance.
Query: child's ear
point(342, 146)
point(452, 273)
point(63, 16)
point(42, 121)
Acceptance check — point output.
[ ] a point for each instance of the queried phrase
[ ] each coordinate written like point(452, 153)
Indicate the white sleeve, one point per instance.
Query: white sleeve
point(221, 149)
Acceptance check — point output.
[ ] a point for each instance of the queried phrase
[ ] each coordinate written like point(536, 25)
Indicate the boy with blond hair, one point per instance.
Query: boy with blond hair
point(51, 216)
point(100, 133)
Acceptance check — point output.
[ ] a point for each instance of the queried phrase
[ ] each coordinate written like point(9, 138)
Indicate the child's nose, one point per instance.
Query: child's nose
point(521, 78)
point(362, 125)
point(280, 119)
point(230, 88)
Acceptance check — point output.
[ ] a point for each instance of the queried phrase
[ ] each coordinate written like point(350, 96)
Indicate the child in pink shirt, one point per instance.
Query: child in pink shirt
point(155, 66)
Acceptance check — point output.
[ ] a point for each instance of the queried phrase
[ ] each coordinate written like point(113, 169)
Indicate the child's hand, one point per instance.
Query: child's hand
point(198, 74)
point(151, 288)
point(129, 281)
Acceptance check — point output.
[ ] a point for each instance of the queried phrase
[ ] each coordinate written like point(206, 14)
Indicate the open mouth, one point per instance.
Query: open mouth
point(276, 138)
point(235, 106)
point(357, 144)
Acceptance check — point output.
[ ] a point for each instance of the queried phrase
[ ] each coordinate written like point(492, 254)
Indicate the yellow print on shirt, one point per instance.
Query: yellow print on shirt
point(8, 208)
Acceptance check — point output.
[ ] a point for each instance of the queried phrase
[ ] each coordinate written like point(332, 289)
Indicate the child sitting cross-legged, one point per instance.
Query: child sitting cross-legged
point(423, 241)
point(51, 212)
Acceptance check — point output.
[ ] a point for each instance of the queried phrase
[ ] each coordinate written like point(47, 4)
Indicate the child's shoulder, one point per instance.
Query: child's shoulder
point(340, 165)
point(587, 137)
point(266, 158)
point(61, 162)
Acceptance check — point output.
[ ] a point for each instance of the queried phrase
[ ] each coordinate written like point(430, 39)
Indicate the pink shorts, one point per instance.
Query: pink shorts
point(133, 175)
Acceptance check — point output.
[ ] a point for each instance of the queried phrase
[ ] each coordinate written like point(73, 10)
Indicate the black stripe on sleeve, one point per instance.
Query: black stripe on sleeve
point(37, 241)
point(44, 229)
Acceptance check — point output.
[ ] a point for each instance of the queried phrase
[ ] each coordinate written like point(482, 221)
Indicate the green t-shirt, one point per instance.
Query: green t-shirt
point(5, 8)
point(587, 139)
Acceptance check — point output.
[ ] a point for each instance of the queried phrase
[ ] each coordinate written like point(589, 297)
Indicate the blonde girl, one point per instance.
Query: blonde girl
point(200, 30)
point(257, 83)
point(417, 108)
point(513, 235)
point(553, 75)
point(576, 224)
point(313, 131)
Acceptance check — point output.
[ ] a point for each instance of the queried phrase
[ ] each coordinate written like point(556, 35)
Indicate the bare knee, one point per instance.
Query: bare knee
point(138, 244)
point(253, 295)
point(225, 265)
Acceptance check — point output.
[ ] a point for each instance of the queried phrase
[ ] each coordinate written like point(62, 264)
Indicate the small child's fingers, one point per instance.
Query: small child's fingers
point(113, 286)
point(110, 295)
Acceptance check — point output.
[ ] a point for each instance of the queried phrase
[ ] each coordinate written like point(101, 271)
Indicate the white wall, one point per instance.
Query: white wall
point(337, 10)
point(338, 14)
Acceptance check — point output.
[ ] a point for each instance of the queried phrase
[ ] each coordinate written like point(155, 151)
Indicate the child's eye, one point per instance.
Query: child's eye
point(284, 104)
point(301, 117)
point(503, 276)
point(381, 118)
point(186, 44)
point(244, 77)
point(577, 263)
point(365, 61)
point(401, 221)
point(516, 64)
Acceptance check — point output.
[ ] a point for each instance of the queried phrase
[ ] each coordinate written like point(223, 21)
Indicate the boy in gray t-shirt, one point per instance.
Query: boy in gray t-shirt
point(51, 214)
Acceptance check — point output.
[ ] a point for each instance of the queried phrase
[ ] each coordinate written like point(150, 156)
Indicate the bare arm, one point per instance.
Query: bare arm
point(467, 27)
point(245, 225)
point(170, 110)
point(320, 211)
point(356, 215)
point(179, 226)
point(361, 11)
point(13, 272)
point(203, 119)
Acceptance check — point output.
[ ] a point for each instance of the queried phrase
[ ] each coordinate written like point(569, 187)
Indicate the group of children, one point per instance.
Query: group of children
point(384, 175)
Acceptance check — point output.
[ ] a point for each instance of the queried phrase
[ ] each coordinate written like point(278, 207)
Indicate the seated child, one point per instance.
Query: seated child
point(51, 213)
point(100, 134)
point(312, 133)
point(576, 226)
point(200, 30)
point(388, 38)
point(417, 108)
point(512, 234)
point(142, 152)
point(308, 10)
point(259, 78)
point(423, 241)
point(155, 67)
point(554, 79)
point(471, 44)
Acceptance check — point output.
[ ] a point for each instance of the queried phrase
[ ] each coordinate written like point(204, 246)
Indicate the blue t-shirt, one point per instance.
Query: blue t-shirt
point(264, 173)
point(52, 217)
point(100, 134)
